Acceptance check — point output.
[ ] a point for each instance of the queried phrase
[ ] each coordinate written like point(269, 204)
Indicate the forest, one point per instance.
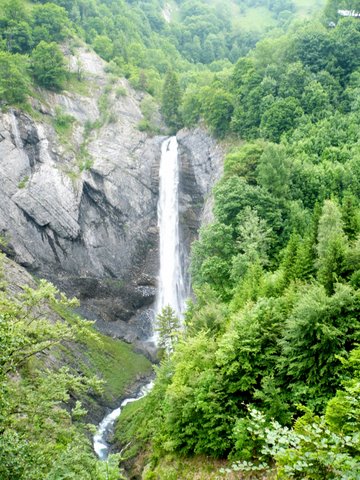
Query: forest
point(266, 373)
point(265, 376)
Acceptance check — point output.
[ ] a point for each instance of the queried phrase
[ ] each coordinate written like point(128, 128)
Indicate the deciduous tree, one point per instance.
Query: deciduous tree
point(48, 65)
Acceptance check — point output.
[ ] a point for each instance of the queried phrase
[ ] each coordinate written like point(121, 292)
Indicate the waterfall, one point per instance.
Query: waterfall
point(171, 290)
point(15, 131)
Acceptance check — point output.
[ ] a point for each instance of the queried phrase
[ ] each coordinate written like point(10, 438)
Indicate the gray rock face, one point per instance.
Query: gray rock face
point(201, 164)
point(93, 231)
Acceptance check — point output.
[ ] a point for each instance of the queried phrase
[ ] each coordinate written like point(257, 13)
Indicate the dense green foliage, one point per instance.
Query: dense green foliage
point(171, 98)
point(52, 363)
point(141, 41)
point(267, 367)
point(31, 32)
point(13, 78)
point(285, 85)
point(42, 435)
point(48, 65)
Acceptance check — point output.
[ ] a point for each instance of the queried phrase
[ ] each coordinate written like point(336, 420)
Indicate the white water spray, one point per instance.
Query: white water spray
point(15, 131)
point(171, 289)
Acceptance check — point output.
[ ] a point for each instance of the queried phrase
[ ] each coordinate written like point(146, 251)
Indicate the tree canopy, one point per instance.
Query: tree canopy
point(265, 374)
point(42, 433)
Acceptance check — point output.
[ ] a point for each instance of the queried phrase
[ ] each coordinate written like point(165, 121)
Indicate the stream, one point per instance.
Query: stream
point(106, 427)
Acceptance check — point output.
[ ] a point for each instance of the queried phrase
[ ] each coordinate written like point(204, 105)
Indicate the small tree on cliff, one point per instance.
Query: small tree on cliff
point(171, 99)
point(168, 328)
point(48, 65)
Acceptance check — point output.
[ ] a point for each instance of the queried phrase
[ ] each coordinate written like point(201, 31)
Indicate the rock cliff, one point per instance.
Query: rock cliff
point(201, 163)
point(78, 204)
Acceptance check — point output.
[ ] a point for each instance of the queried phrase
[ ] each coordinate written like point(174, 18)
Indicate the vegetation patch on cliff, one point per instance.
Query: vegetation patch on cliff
point(112, 360)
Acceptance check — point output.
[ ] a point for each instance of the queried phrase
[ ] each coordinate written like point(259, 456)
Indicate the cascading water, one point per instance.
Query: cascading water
point(106, 426)
point(15, 131)
point(171, 289)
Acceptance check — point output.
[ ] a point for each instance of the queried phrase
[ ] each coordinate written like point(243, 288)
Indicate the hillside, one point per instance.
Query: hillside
point(56, 374)
point(266, 373)
point(263, 380)
point(261, 15)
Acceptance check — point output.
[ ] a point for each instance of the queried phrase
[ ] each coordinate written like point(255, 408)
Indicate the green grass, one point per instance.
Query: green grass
point(260, 18)
point(130, 429)
point(74, 85)
point(63, 124)
point(116, 363)
point(256, 19)
point(112, 360)
point(84, 159)
point(173, 467)
point(23, 182)
point(120, 92)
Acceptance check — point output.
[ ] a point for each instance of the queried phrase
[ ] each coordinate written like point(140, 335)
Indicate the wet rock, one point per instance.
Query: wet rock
point(201, 164)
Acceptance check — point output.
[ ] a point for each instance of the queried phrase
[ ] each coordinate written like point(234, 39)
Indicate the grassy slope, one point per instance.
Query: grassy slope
point(199, 468)
point(112, 360)
point(115, 362)
point(256, 19)
point(260, 18)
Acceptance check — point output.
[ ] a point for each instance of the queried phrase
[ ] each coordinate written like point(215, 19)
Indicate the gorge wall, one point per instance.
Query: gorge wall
point(81, 211)
point(201, 162)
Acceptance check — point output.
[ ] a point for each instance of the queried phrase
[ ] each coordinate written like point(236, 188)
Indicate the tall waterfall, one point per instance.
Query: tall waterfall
point(171, 290)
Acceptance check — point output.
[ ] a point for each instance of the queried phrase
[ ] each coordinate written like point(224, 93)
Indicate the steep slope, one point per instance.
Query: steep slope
point(93, 355)
point(52, 365)
point(79, 190)
point(78, 223)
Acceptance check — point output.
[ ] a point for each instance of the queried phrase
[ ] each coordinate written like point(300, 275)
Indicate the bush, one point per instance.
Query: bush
point(48, 66)
point(62, 121)
point(14, 80)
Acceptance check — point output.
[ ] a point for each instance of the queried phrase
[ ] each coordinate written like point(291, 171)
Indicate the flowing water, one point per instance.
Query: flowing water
point(171, 282)
point(15, 131)
point(106, 426)
point(171, 289)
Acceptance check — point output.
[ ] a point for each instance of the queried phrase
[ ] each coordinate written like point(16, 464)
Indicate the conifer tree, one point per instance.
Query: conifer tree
point(171, 99)
point(290, 256)
point(332, 245)
point(351, 215)
point(304, 267)
point(168, 326)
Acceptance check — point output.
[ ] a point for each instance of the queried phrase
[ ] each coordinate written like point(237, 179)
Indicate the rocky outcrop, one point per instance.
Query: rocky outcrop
point(81, 211)
point(79, 207)
point(201, 163)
